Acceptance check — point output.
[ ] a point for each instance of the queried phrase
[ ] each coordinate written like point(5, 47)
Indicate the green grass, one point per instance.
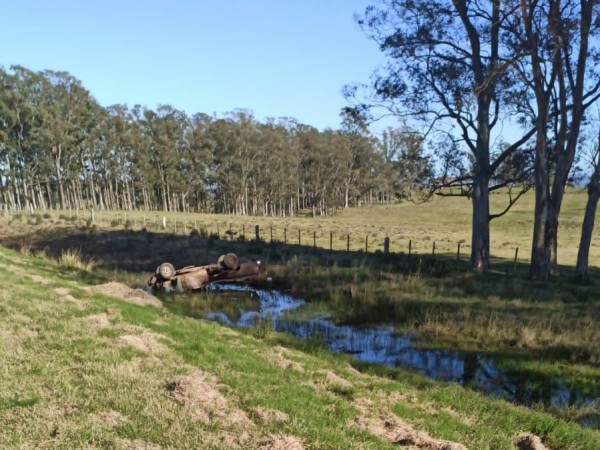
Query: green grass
point(445, 221)
point(538, 330)
point(62, 378)
point(434, 298)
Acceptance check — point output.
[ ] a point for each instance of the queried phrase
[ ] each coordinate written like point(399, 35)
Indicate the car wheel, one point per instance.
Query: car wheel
point(166, 270)
point(229, 261)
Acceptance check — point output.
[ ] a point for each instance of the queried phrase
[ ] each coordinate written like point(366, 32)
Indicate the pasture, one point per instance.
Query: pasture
point(538, 331)
point(444, 221)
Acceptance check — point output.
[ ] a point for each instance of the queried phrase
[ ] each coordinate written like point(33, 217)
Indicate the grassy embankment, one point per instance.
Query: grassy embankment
point(540, 330)
point(434, 297)
point(82, 369)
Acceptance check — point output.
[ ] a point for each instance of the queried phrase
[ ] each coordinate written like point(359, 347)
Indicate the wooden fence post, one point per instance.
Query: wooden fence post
point(271, 228)
point(458, 252)
point(386, 246)
point(331, 240)
point(433, 249)
point(409, 247)
point(515, 263)
point(299, 242)
point(314, 239)
point(348, 243)
point(257, 232)
point(367, 244)
point(285, 236)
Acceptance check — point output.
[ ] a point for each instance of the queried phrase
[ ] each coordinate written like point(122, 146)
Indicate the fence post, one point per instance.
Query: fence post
point(331, 240)
point(299, 243)
point(386, 245)
point(409, 247)
point(433, 249)
point(515, 263)
point(271, 241)
point(285, 236)
point(367, 244)
point(257, 232)
point(458, 252)
point(348, 243)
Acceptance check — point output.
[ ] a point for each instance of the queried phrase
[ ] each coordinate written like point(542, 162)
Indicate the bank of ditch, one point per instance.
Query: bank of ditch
point(86, 369)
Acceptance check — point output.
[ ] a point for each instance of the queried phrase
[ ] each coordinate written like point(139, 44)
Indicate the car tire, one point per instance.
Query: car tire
point(166, 270)
point(229, 261)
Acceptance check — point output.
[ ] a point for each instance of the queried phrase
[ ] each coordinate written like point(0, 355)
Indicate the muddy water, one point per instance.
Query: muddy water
point(382, 345)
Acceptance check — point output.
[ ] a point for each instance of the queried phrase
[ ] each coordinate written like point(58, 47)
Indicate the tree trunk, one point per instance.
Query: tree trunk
point(480, 237)
point(50, 195)
point(346, 195)
point(538, 269)
point(581, 270)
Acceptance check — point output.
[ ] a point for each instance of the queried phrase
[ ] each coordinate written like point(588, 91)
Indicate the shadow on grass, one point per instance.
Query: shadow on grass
point(437, 296)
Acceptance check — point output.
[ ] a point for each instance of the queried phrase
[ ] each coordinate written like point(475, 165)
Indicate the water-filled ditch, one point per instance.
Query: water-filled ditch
point(247, 307)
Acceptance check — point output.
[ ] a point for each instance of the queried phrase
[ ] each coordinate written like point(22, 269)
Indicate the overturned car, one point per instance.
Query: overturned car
point(227, 268)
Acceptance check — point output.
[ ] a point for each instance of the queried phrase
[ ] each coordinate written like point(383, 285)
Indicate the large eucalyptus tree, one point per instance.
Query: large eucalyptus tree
point(447, 67)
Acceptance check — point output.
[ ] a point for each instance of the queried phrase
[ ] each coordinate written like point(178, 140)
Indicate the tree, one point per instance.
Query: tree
point(58, 147)
point(356, 151)
point(556, 39)
point(446, 67)
point(593, 190)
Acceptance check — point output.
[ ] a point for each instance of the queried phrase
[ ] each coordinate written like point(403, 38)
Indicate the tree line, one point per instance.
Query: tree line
point(471, 69)
point(60, 149)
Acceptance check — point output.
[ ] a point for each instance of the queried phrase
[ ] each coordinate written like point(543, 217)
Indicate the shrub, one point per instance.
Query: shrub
point(72, 259)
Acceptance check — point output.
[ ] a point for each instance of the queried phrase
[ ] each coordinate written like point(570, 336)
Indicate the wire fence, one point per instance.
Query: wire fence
point(199, 225)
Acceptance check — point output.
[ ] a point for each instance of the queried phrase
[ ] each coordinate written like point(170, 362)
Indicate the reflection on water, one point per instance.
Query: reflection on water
point(382, 346)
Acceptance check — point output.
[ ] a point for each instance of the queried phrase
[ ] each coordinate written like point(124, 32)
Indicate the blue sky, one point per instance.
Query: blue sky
point(277, 57)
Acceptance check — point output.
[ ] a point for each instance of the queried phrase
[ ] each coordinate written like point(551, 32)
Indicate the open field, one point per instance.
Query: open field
point(541, 331)
point(445, 221)
point(83, 368)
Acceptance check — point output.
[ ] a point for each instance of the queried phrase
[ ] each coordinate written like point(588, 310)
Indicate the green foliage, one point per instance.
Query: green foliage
point(163, 159)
